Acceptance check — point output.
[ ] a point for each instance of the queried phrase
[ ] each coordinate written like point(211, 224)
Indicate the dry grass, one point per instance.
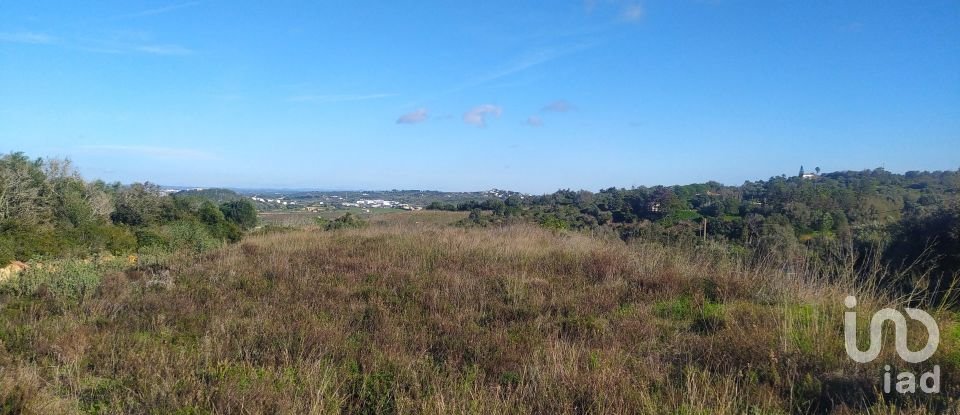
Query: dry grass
point(379, 217)
point(295, 218)
point(405, 317)
point(418, 219)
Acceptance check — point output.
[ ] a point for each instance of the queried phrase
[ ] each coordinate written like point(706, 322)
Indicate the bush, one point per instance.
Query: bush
point(554, 223)
point(117, 239)
point(26, 242)
point(70, 281)
point(7, 248)
point(931, 243)
point(150, 237)
point(191, 236)
point(347, 221)
point(241, 213)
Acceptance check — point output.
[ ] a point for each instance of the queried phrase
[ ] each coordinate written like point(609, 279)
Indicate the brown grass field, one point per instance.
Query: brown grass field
point(409, 315)
point(377, 216)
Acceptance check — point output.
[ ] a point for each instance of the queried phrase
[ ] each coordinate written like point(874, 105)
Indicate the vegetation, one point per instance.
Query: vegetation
point(394, 318)
point(346, 221)
point(573, 302)
point(47, 210)
point(335, 197)
point(215, 195)
point(913, 219)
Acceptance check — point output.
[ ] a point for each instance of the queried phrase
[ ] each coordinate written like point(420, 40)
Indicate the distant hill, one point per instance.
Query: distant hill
point(215, 195)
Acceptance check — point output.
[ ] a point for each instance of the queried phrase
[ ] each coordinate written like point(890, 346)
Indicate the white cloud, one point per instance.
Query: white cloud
point(418, 116)
point(113, 46)
point(478, 115)
point(119, 48)
point(338, 97)
point(559, 106)
point(526, 62)
point(27, 37)
point(158, 10)
point(151, 151)
point(632, 12)
point(534, 121)
point(163, 49)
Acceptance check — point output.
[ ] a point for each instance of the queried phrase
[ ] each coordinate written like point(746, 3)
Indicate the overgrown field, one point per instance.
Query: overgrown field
point(380, 216)
point(402, 317)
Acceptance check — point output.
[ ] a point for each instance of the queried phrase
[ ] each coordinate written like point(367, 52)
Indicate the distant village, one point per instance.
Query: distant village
point(318, 201)
point(278, 201)
point(318, 206)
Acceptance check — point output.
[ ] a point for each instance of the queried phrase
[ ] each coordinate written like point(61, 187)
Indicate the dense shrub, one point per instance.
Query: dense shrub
point(189, 235)
point(46, 210)
point(63, 281)
point(240, 212)
point(347, 221)
point(928, 243)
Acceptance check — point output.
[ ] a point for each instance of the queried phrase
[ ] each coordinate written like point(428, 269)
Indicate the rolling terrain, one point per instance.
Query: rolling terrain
point(411, 315)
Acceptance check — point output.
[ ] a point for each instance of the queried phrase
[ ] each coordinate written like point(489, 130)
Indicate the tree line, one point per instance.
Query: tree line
point(911, 219)
point(48, 209)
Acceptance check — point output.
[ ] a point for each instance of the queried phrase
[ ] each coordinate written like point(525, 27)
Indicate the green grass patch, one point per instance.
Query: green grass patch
point(678, 309)
point(702, 318)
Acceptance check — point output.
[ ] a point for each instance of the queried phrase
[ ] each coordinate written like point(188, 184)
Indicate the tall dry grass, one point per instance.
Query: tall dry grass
point(404, 317)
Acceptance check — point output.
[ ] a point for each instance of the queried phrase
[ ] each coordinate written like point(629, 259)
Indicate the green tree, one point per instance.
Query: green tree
point(22, 188)
point(209, 214)
point(240, 212)
point(139, 204)
point(217, 223)
point(825, 222)
point(928, 244)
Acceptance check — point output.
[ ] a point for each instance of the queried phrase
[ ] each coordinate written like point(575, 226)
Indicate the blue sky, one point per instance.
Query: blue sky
point(529, 96)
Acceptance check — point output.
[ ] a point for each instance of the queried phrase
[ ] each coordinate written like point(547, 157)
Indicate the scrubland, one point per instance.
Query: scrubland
point(414, 316)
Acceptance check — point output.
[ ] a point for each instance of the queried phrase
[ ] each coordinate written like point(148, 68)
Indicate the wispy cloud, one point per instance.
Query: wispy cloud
point(115, 45)
point(526, 62)
point(534, 121)
point(629, 10)
point(151, 151)
point(523, 63)
point(163, 49)
point(559, 106)
point(119, 48)
point(28, 37)
point(632, 12)
point(158, 10)
point(338, 97)
point(418, 116)
point(478, 115)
